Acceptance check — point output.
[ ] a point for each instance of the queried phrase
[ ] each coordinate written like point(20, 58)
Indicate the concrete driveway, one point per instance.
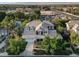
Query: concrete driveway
point(29, 48)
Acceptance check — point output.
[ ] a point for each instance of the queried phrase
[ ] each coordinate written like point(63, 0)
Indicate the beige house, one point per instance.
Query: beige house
point(47, 13)
point(73, 25)
point(24, 10)
point(19, 10)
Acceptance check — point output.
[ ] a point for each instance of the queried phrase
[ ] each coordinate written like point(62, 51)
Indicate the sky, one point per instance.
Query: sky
point(39, 3)
point(39, 0)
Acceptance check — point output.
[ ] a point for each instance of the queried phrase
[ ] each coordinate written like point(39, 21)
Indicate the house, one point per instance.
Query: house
point(28, 9)
point(51, 15)
point(73, 25)
point(38, 30)
point(24, 10)
point(62, 16)
point(19, 10)
point(47, 15)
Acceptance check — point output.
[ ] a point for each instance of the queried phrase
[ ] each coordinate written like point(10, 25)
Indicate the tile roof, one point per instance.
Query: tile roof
point(73, 22)
point(46, 12)
point(34, 23)
point(38, 24)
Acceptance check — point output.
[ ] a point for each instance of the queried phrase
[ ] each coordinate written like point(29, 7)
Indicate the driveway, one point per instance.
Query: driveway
point(29, 48)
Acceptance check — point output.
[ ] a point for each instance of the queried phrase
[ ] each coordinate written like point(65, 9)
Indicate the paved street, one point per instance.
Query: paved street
point(69, 14)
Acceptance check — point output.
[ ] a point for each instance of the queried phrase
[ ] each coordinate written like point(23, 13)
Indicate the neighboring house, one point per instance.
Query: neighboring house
point(47, 15)
point(37, 30)
point(62, 16)
point(19, 10)
point(73, 25)
point(51, 15)
point(24, 10)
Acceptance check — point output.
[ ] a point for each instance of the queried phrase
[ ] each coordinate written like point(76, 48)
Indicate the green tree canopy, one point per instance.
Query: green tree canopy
point(59, 21)
point(15, 46)
point(74, 38)
point(19, 15)
point(59, 29)
point(2, 16)
point(60, 24)
point(54, 46)
point(11, 15)
point(49, 44)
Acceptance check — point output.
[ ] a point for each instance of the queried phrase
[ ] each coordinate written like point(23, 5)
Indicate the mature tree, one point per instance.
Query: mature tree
point(46, 8)
point(35, 14)
point(15, 46)
point(19, 15)
point(59, 29)
point(63, 48)
point(2, 16)
point(11, 15)
point(27, 16)
point(74, 38)
point(37, 11)
point(20, 29)
point(48, 44)
point(59, 21)
point(60, 26)
point(5, 23)
point(32, 17)
point(8, 23)
point(55, 46)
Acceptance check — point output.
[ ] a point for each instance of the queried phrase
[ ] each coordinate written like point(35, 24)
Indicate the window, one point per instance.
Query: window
point(36, 32)
point(50, 27)
point(29, 28)
point(45, 32)
point(39, 40)
point(41, 33)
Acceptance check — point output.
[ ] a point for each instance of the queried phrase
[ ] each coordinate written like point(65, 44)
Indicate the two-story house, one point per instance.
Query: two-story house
point(38, 30)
